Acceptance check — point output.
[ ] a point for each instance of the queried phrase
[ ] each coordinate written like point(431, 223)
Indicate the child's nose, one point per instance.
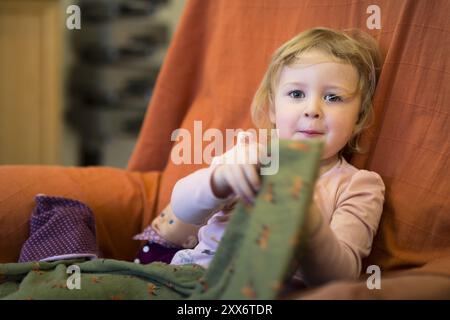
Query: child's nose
point(313, 109)
point(312, 114)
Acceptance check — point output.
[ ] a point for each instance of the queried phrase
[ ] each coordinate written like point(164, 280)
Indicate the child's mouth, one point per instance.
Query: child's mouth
point(310, 134)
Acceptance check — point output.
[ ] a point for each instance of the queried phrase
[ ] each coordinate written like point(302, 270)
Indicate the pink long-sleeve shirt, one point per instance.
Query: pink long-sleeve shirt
point(350, 201)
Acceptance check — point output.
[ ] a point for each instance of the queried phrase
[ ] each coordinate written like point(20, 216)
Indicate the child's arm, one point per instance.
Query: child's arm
point(193, 199)
point(335, 251)
point(197, 196)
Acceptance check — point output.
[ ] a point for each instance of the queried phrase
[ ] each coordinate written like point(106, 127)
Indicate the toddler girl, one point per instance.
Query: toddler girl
point(320, 84)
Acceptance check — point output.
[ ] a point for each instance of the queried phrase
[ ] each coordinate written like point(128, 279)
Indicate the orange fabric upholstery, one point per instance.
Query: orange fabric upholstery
point(122, 202)
point(218, 57)
point(404, 286)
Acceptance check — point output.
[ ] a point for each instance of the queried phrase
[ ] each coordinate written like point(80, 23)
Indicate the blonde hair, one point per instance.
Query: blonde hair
point(350, 46)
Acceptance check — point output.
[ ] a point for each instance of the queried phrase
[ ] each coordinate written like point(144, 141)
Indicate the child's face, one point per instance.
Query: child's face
point(314, 94)
point(168, 226)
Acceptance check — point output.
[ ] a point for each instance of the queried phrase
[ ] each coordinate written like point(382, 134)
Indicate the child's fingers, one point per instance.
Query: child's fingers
point(252, 176)
point(232, 182)
point(239, 183)
point(246, 191)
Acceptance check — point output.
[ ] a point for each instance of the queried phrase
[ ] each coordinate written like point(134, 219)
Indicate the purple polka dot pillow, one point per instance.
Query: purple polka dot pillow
point(60, 228)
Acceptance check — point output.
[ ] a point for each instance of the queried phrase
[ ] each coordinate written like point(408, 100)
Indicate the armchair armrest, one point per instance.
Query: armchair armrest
point(123, 202)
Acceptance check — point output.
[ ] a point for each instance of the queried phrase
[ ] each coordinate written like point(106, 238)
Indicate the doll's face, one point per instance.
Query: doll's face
point(172, 229)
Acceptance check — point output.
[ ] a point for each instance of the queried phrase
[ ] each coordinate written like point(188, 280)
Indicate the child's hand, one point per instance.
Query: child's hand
point(241, 179)
point(239, 174)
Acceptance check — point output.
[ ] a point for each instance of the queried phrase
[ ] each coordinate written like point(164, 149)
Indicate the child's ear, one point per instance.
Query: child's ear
point(190, 242)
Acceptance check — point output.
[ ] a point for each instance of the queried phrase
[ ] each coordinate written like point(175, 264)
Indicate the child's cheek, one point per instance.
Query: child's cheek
point(285, 127)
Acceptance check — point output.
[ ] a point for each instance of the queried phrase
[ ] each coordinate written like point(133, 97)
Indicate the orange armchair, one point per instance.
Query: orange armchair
point(215, 62)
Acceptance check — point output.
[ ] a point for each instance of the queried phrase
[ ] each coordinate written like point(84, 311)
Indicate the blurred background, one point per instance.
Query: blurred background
point(78, 97)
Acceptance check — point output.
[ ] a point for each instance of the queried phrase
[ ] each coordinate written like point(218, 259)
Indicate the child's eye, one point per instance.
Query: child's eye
point(162, 214)
point(296, 94)
point(333, 98)
point(171, 221)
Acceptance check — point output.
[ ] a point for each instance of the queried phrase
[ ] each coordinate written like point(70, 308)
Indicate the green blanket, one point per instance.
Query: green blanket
point(98, 279)
point(258, 253)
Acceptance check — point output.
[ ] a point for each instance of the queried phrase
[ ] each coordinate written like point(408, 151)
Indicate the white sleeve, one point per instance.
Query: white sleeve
point(193, 200)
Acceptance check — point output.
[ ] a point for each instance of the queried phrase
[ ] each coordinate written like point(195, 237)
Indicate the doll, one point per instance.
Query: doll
point(165, 236)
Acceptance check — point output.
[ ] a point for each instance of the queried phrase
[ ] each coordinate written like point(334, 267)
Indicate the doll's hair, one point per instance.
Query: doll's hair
point(354, 47)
